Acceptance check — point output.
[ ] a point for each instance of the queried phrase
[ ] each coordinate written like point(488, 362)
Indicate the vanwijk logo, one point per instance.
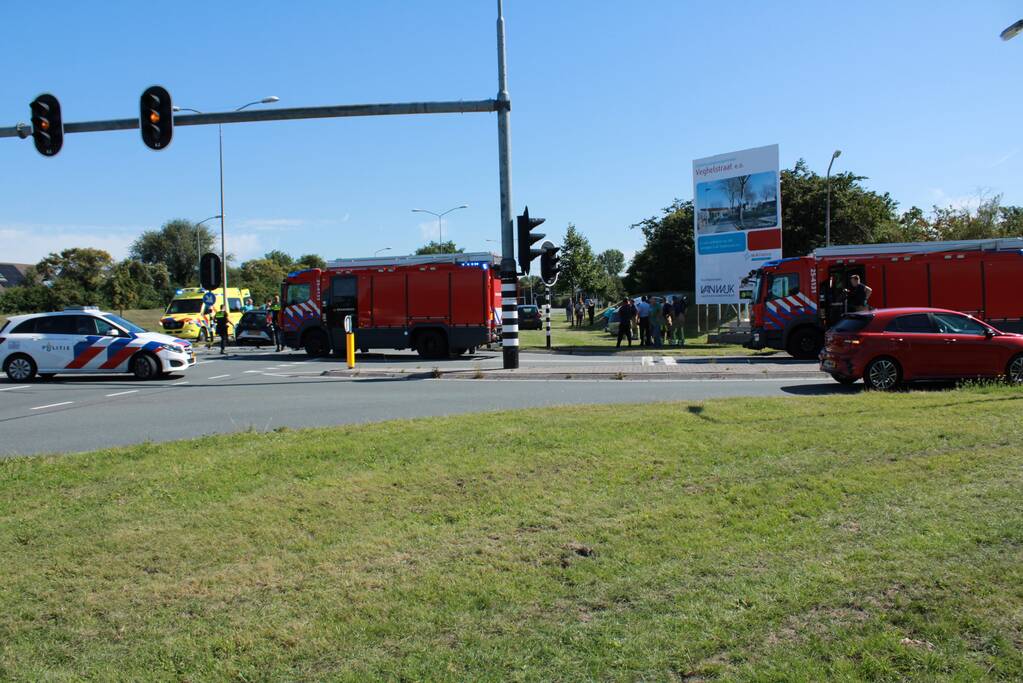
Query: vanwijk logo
point(719, 290)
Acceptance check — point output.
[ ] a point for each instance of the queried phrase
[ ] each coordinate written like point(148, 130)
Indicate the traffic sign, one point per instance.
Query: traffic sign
point(209, 298)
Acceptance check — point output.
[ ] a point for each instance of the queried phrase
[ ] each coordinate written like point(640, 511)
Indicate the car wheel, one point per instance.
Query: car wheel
point(431, 344)
point(842, 379)
point(882, 374)
point(805, 343)
point(144, 366)
point(315, 343)
point(1014, 371)
point(19, 368)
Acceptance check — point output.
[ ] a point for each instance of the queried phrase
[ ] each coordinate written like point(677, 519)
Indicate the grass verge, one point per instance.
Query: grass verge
point(586, 339)
point(863, 536)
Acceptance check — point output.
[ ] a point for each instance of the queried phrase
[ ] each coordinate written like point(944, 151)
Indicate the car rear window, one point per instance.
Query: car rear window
point(852, 323)
point(27, 327)
point(919, 323)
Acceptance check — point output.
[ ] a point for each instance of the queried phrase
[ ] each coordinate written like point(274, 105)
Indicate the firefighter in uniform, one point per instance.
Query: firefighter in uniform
point(220, 318)
point(275, 322)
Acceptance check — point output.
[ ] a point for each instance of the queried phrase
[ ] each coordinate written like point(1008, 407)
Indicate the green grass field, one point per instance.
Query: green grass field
point(852, 537)
point(587, 339)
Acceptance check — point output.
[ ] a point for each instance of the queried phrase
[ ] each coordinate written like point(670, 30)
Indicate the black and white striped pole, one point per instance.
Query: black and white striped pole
point(547, 317)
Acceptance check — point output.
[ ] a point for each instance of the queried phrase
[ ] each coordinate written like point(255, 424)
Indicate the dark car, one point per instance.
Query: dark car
point(530, 318)
point(253, 328)
point(886, 347)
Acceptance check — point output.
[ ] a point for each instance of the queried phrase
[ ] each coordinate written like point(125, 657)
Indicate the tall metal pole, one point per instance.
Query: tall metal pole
point(827, 211)
point(547, 317)
point(223, 244)
point(509, 281)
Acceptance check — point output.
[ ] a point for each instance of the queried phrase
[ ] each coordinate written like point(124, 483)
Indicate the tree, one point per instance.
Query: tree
point(666, 260)
point(310, 261)
point(76, 276)
point(281, 258)
point(133, 284)
point(263, 277)
point(434, 247)
point(177, 245)
point(613, 261)
point(580, 271)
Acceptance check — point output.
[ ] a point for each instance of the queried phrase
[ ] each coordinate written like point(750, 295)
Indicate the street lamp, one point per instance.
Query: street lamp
point(1012, 31)
point(380, 250)
point(440, 229)
point(827, 214)
point(198, 248)
point(220, 136)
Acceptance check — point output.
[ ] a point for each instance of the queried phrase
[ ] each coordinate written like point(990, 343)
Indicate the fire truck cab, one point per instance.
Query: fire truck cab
point(794, 300)
point(437, 304)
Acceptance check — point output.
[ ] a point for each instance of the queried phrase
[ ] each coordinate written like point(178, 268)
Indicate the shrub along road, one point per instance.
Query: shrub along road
point(860, 536)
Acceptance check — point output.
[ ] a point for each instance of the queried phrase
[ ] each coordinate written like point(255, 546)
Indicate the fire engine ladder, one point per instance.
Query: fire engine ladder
point(852, 250)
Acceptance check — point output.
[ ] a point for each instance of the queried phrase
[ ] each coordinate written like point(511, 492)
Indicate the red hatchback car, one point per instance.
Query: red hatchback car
point(886, 347)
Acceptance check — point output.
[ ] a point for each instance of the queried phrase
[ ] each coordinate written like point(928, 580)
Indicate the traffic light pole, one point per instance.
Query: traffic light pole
point(509, 278)
point(547, 317)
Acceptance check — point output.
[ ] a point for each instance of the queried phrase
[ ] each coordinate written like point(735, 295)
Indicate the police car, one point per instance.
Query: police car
point(84, 339)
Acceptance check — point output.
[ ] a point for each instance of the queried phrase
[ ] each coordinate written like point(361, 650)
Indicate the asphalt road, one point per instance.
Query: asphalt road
point(263, 390)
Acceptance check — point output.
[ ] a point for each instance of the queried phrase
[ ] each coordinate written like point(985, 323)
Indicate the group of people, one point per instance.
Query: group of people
point(574, 311)
point(216, 322)
point(653, 322)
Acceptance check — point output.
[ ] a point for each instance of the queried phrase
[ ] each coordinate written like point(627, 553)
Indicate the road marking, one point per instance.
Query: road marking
point(178, 384)
point(648, 360)
point(668, 360)
point(218, 377)
point(122, 393)
point(252, 372)
point(54, 405)
point(23, 386)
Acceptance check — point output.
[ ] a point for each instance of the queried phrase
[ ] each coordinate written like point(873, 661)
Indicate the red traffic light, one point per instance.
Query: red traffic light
point(47, 127)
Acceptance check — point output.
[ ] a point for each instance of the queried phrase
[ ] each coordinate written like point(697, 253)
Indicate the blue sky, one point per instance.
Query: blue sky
point(611, 103)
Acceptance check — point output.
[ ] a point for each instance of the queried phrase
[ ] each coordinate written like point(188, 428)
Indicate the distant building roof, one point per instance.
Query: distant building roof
point(12, 274)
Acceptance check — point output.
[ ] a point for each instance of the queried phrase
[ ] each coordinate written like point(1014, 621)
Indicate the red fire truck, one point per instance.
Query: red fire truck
point(439, 304)
point(795, 299)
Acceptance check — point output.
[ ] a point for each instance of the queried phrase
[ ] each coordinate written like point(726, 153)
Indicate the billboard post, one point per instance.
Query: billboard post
point(737, 216)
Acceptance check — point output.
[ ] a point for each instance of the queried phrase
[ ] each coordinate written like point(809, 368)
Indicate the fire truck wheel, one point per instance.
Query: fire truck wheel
point(1014, 371)
point(315, 343)
point(431, 344)
point(882, 374)
point(805, 343)
point(842, 379)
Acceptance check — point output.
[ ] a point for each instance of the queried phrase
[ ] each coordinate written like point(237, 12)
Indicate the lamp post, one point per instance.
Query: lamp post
point(827, 214)
point(440, 229)
point(1012, 31)
point(220, 138)
point(380, 250)
point(198, 247)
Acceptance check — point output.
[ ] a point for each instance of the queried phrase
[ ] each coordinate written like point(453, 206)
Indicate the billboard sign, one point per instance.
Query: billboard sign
point(737, 211)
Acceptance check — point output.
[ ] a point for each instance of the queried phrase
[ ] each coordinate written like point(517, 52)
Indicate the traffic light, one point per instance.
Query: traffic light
point(210, 271)
point(549, 264)
point(156, 117)
point(47, 126)
point(527, 238)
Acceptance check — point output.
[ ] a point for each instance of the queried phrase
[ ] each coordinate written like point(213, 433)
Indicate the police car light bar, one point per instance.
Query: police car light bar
point(81, 308)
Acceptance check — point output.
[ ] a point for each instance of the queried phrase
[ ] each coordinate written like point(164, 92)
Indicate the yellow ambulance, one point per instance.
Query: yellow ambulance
point(186, 316)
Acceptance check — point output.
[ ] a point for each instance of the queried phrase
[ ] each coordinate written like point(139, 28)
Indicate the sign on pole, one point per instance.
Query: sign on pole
point(209, 298)
point(737, 213)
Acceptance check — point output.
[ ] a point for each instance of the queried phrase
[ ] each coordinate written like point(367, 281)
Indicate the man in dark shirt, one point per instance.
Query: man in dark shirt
point(857, 294)
point(626, 312)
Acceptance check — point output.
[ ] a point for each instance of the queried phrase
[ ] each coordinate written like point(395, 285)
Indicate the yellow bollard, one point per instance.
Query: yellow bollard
point(350, 349)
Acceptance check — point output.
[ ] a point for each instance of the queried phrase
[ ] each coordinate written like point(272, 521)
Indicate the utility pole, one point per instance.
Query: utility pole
point(509, 280)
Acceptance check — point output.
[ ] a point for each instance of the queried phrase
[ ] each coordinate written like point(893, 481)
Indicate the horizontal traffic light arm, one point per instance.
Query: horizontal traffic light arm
point(327, 112)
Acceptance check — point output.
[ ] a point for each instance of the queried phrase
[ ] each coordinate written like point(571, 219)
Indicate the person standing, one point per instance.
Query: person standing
point(220, 321)
point(569, 313)
point(626, 313)
point(591, 309)
point(248, 305)
point(274, 317)
point(579, 311)
point(643, 311)
point(857, 294)
point(656, 322)
point(678, 319)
